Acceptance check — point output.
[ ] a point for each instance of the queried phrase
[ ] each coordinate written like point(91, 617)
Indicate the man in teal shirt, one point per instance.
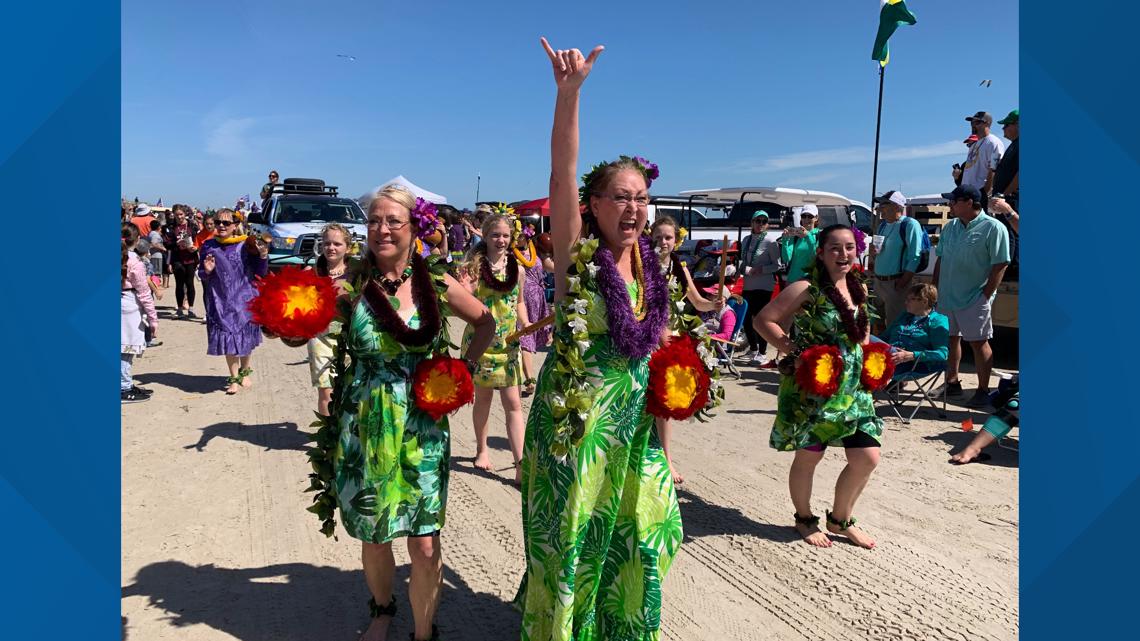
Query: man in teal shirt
point(798, 245)
point(897, 260)
point(973, 253)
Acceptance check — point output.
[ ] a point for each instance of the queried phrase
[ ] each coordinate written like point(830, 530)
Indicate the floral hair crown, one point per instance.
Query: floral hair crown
point(648, 170)
point(425, 216)
point(503, 209)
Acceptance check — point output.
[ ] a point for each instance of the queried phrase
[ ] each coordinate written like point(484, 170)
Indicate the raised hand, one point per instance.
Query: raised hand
point(208, 263)
point(570, 68)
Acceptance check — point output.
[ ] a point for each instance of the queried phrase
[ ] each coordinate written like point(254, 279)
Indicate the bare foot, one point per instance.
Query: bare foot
point(677, 478)
point(853, 534)
point(233, 388)
point(378, 631)
point(812, 535)
point(967, 455)
point(247, 381)
point(482, 461)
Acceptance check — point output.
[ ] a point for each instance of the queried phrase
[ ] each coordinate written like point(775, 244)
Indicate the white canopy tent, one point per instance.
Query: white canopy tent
point(431, 197)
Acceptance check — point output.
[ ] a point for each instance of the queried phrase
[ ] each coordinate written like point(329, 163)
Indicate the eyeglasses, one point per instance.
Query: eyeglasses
point(623, 200)
point(224, 223)
point(394, 224)
point(271, 176)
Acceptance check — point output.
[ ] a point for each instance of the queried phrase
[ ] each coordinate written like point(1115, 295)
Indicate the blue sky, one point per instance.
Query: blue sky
point(718, 94)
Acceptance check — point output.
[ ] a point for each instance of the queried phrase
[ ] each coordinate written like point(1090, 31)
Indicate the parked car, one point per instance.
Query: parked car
point(295, 213)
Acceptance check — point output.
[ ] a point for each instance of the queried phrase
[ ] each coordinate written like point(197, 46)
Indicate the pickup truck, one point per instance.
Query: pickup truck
point(294, 214)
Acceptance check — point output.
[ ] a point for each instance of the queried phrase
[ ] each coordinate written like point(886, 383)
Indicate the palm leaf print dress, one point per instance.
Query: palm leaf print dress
point(602, 527)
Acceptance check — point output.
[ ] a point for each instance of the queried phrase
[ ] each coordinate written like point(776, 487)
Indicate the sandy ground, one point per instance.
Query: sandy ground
point(217, 543)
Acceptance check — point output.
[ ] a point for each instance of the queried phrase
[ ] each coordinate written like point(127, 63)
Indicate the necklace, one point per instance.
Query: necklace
point(854, 325)
point(383, 307)
point(639, 278)
point(631, 337)
point(501, 286)
point(527, 264)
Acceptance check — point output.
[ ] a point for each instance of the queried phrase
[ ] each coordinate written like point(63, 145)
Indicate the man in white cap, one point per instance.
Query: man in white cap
point(142, 219)
point(896, 260)
point(797, 245)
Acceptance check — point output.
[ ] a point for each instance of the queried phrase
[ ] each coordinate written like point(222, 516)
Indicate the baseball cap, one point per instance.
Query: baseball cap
point(971, 140)
point(142, 210)
point(984, 116)
point(1012, 118)
point(809, 210)
point(760, 214)
point(895, 197)
point(964, 191)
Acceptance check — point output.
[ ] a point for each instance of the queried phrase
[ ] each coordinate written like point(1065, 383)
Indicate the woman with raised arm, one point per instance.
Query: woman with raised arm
point(824, 396)
point(389, 457)
point(600, 516)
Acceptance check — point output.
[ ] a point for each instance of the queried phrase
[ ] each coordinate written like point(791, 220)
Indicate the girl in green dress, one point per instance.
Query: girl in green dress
point(601, 521)
point(829, 307)
point(493, 275)
point(389, 459)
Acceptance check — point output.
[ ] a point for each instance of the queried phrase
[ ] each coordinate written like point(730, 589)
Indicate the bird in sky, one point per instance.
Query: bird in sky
point(346, 57)
point(984, 83)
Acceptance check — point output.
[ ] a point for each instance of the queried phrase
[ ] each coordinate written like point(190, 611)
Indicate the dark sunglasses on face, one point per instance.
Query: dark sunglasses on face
point(223, 223)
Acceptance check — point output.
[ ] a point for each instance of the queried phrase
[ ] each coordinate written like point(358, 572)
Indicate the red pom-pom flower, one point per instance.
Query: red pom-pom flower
point(819, 370)
point(678, 381)
point(294, 303)
point(441, 385)
point(878, 368)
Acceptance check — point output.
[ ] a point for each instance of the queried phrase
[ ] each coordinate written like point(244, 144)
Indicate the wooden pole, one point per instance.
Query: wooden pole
point(723, 262)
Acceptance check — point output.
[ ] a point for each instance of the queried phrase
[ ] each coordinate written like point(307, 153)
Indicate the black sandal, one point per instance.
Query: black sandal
point(386, 611)
point(434, 634)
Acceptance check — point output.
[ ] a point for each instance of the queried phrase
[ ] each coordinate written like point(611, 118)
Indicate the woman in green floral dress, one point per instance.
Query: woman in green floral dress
point(389, 459)
point(827, 308)
point(600, 516)
point(493, 275)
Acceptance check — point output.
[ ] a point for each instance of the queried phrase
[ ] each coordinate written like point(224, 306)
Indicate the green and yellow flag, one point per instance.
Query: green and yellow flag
point(892, 13)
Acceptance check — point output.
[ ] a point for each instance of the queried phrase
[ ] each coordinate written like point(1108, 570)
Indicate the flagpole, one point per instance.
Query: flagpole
point(875, 170)
point(478, 179)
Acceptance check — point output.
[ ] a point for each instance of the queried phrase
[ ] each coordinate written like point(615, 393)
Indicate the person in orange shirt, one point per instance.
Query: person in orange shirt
point(207, 231)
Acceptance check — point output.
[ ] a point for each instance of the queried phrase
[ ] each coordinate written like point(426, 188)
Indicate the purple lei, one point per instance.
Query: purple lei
point(632, 338)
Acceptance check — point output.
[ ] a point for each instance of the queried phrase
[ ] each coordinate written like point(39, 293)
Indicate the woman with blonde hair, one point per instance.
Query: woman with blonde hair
point(390, 458)
point(492, 274)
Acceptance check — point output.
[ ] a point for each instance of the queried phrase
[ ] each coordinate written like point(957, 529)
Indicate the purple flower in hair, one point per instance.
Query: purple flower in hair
point(860, 240)
point(650, 169)
point(425, 216)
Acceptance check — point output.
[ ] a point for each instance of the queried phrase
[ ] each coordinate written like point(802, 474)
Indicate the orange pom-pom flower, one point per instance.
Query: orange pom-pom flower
point(441, 385)
point(678, 381)
point(878, 368)
point(819, 370)
point(294, 303)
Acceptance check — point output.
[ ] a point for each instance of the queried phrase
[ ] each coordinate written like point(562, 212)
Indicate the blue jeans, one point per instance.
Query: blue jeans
point(125, 381)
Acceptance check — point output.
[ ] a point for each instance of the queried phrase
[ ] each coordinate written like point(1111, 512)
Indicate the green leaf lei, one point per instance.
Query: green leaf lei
point(321, 455)
point(809, 326)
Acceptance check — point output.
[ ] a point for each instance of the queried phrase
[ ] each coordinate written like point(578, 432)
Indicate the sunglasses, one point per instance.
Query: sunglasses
point(224, 223)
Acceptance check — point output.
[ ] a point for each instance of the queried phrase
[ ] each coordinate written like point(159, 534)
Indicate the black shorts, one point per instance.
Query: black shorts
point(859, 439)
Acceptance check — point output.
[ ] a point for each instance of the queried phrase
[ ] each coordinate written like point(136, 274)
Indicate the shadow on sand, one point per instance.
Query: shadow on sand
point(272, 436)
point(300, 601)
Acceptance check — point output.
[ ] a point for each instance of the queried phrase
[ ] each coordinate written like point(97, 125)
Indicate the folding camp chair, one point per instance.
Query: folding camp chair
point(898, 396)
point(726, 349)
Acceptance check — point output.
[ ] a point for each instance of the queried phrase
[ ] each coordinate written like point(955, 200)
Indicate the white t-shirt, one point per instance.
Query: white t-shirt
point(983, 156)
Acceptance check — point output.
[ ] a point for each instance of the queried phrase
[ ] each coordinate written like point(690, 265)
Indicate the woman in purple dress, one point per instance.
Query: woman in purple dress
point(534, 296)
point(227, 266)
